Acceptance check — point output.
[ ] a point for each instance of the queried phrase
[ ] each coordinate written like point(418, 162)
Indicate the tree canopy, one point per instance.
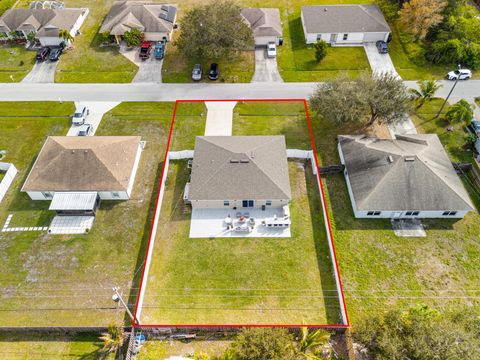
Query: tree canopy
point(418, 16)
point(213, 31)
point(381, 97)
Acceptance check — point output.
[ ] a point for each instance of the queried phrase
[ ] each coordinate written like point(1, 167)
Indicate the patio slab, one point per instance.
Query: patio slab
point(209, 223)
point(71, 224)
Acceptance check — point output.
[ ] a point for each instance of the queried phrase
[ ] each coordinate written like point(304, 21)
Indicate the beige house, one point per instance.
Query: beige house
point(155, 20)
point(265, 24)
point(104, 165)
point(239, 172)
point(45, 23)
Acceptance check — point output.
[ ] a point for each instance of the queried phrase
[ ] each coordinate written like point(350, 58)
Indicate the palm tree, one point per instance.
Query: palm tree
point(113, 339)
point(65, 35)
point(427, 91)
point(461, 111)
point(310, 340)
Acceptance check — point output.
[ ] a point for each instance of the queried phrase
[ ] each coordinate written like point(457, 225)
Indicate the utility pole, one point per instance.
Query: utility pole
point(117, 297)
point(450, 93)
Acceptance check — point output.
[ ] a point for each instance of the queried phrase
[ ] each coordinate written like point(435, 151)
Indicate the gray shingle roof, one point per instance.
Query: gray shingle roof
point(412, 172)
point(145, 16)
point(263, 21)
point(240, 167)
point(45, 22)
point(344, 19)
point(83, 163)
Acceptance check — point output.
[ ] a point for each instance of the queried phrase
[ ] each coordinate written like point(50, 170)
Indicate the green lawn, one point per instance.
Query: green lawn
point(37, 346)
point(88, 62)
point(297, 62)
point(273, 118)
point(67, 280)
point(15, 61)
point(380, 271)
point(157, 349)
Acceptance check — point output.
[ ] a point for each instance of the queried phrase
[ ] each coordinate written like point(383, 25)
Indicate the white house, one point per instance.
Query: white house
point(44, 23)
point(265, 24)
point(82, 165)
point(409, 177)
point(155, 20)
point(344, 24)
point(234, 172)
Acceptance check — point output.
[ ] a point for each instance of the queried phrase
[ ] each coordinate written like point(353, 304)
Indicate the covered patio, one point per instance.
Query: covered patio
point(248, 222)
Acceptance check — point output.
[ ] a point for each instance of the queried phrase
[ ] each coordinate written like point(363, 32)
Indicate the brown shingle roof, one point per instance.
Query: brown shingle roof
point(240, 167)
point(42, 21)
point(142, 15)
point(77, 163)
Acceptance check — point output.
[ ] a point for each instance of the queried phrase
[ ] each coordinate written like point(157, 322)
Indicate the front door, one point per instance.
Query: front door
point(333, 38)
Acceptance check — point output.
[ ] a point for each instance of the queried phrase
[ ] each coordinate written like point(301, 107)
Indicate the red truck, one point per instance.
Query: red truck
point(145, 50)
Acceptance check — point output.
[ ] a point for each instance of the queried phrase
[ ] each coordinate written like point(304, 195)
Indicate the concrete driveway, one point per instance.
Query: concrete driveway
point(97, 110)
point(380, 63)
point(266, 69)
point(219, 118)
point(149, 70)
point(42, 72)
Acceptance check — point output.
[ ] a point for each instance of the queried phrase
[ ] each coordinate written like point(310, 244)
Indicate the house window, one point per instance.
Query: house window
point(449, 213)
point(269, 203)
point(115, 194)
point(345, 37)
point(247, 203)
point(47, 195)
point(373, 213)
point(226, 203)
point(319, 37)
point(412, 213)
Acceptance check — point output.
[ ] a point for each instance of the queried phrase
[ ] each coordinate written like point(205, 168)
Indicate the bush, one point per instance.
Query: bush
point(133, 37)
point(320, 50)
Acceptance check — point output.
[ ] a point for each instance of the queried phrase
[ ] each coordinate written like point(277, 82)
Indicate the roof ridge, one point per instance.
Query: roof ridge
point(364, 9)
point(106, 167)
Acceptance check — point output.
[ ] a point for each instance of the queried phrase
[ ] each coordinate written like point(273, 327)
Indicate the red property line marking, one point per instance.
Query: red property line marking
point(326, 326)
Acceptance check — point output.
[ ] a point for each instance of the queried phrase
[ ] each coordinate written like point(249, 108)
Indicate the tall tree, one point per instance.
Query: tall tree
point(339, 101)
point(426, 91)
point(65, 35)
point(214, 30)
point(418, 16)
point(385, 96)
point(133, 37)
point(320, 50)
point(113, 339)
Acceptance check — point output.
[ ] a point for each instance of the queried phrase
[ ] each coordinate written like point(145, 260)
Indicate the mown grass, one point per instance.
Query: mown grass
point(15, 62)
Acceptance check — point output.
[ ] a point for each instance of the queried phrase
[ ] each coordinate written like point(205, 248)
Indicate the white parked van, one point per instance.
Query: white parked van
point(81, 113)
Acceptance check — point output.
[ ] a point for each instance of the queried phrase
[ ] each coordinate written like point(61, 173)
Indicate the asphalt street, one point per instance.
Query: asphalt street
point(171, 92)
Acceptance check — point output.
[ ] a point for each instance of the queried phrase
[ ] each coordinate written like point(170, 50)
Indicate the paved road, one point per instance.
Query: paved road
point(171, 92)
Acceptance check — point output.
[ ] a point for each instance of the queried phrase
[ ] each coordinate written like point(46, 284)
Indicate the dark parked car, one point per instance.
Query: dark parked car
point(42, 54)
point(145, 50)
point(214, 72)
point(474, 127)
point(55, 54)
point(382, 47)
point(159, 50)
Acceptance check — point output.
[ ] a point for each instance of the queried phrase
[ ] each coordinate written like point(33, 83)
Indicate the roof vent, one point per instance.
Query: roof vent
point(325, 9)
point(233, 161)
point(73, 151)
point(409, 158)
point(390, 159)
point(244, 161)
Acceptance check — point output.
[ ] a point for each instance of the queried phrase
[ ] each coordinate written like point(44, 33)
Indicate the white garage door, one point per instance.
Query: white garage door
point(373, 37)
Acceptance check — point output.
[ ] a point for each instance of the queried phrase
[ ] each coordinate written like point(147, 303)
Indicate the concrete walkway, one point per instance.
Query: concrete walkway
point(380, 63)
point(149, 70)
point(42, 72)
point(219, 118)
point(97, 110)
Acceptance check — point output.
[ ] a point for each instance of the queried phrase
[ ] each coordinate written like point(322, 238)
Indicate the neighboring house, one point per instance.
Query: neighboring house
point(156, 21)
point(409, 177)
point(265, 24)
point(45, 23)
point(74, 167)
point(239, 172)
point(344, 24)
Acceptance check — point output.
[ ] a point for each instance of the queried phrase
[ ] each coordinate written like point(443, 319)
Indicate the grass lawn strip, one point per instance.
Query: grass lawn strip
point(15, 62)
point(380, 271)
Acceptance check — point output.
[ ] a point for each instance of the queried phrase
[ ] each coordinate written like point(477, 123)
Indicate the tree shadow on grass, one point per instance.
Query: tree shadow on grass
point(325, 263)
